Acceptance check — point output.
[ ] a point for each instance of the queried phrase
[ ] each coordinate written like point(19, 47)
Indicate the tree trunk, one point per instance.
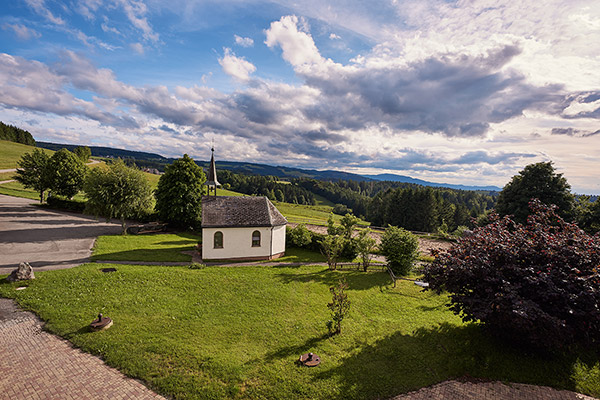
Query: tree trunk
point(123, 226)
point(41, 196)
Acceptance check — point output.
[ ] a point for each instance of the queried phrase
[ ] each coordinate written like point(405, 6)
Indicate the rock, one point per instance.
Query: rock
point(23, 273)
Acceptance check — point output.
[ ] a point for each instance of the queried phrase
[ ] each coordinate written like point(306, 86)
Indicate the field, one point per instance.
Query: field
point(11, 152)
point(219, 332)
point(303, 214)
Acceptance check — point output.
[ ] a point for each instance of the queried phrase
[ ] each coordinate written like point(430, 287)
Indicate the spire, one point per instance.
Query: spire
point(212, 181)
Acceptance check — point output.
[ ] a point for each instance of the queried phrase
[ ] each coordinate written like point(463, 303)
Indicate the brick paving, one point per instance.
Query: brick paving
point(37, 365)
point(456, 390)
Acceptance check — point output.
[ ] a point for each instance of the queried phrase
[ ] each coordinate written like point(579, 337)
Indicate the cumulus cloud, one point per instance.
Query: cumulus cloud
point(236, 67)
point(243, 41)
point(22, 32)
point(297, 45)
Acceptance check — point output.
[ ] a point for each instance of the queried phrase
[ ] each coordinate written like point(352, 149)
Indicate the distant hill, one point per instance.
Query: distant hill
point(152, 160)
point(283, 172)
point(408, 179)
point(99, 151)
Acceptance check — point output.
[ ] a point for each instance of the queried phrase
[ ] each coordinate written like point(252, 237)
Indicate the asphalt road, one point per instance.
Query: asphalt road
point(46, 239)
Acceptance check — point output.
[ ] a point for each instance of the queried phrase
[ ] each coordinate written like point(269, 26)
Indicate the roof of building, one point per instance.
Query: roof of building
point(239, 211)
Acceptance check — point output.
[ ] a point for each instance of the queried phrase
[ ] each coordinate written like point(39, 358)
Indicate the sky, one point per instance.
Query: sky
point(464, 92)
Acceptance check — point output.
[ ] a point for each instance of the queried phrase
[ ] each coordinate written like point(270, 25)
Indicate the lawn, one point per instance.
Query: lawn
point(11, 152)
point(152, 247)
point(236, 332)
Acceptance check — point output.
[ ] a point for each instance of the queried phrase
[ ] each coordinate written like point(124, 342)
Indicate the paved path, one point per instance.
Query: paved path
point(456, 390)
point(37, 365)
point(46, 239)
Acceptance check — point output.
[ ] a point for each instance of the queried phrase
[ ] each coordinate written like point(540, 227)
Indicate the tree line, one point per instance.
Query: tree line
point(14, 134)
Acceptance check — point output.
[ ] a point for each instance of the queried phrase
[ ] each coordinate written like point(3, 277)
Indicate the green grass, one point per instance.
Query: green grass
point(17, 190)
point(296, 255)
point(303, 214)
point(5, 176)
point(146, 247)
point(236, 332)
point(11, 152)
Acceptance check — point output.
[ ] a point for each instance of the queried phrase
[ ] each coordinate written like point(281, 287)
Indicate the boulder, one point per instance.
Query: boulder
point(23, 273)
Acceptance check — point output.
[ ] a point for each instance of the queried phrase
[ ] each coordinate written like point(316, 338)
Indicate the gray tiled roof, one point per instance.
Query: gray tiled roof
point(239, 211)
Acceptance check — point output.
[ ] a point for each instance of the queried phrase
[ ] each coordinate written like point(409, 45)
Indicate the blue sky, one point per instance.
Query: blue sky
point(460, 92)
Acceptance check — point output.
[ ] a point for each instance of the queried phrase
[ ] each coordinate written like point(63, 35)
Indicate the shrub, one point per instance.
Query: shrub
point(538, 283)
point(64, 204)
point(341, 209)
point(400, 248)
point(299, 236)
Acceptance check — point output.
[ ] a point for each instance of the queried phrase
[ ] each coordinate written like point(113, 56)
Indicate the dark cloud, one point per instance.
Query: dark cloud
point(573, 132)
point(457, 96)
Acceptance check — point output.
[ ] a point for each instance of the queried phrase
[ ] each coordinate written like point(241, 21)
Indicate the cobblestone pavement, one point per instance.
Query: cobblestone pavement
point(456, 390)
point(37, 365)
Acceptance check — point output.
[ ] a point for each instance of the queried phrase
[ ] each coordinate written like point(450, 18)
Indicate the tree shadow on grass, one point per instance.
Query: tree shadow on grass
point(356, 280)
point(401, 363)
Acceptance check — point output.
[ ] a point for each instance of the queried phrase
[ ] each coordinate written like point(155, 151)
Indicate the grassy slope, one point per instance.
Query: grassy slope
point(303, 214)
point(236, 333)
point(158, 247)
point(11, 152)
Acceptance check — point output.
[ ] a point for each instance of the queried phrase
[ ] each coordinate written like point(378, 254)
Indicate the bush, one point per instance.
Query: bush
point(400, 248)
point(341, 209)
point(538, 283)
point(299, 236)
point(63, 204)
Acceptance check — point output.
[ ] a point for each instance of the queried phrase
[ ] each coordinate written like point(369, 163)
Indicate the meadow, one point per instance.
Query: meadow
point(219, 332)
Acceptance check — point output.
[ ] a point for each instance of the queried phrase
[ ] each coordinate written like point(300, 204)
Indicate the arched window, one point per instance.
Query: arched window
point(256, 239)
point(218, 240)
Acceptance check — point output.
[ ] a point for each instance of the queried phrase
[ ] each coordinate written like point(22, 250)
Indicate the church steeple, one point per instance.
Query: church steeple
point(212, 181)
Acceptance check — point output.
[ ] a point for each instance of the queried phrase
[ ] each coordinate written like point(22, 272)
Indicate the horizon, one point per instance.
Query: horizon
point(446, 92)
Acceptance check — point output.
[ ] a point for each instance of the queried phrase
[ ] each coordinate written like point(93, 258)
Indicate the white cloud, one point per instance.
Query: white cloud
point(22, 31)
point(333, 36)
point(243, 41)
point(40, 8)
point(237, 67)
point(136, 13)
point(137, 47)
point(298, 47)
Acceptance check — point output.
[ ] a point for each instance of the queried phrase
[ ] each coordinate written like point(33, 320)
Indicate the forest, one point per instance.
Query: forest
point(14, 134)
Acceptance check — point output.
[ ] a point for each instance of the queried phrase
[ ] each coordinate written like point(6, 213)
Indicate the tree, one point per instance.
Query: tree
point(339, 307)
point(118, 191)
point(67, 173)
point(535, 181)
point(331, 248)
point(34, 172)
point(348, 222)
point(400, 248)
point(537, 282)
point(83, 153)
point(179, 193)
point(365, 245)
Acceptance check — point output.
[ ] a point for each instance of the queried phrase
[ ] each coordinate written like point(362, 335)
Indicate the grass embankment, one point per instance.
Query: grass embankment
point(156, 247)
point(237, 333)
point(11, 152)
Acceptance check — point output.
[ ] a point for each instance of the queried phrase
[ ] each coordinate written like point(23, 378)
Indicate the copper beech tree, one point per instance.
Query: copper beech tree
point(537, 283)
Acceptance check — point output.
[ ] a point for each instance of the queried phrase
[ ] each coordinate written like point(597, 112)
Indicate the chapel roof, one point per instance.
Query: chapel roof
point(239, 211)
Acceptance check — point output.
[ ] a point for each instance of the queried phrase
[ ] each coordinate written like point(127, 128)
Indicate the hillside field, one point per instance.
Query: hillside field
point(11, 152)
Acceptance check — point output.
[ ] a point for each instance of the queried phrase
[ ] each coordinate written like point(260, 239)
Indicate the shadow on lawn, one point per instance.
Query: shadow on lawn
point(401, 363)
point(357, 280)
